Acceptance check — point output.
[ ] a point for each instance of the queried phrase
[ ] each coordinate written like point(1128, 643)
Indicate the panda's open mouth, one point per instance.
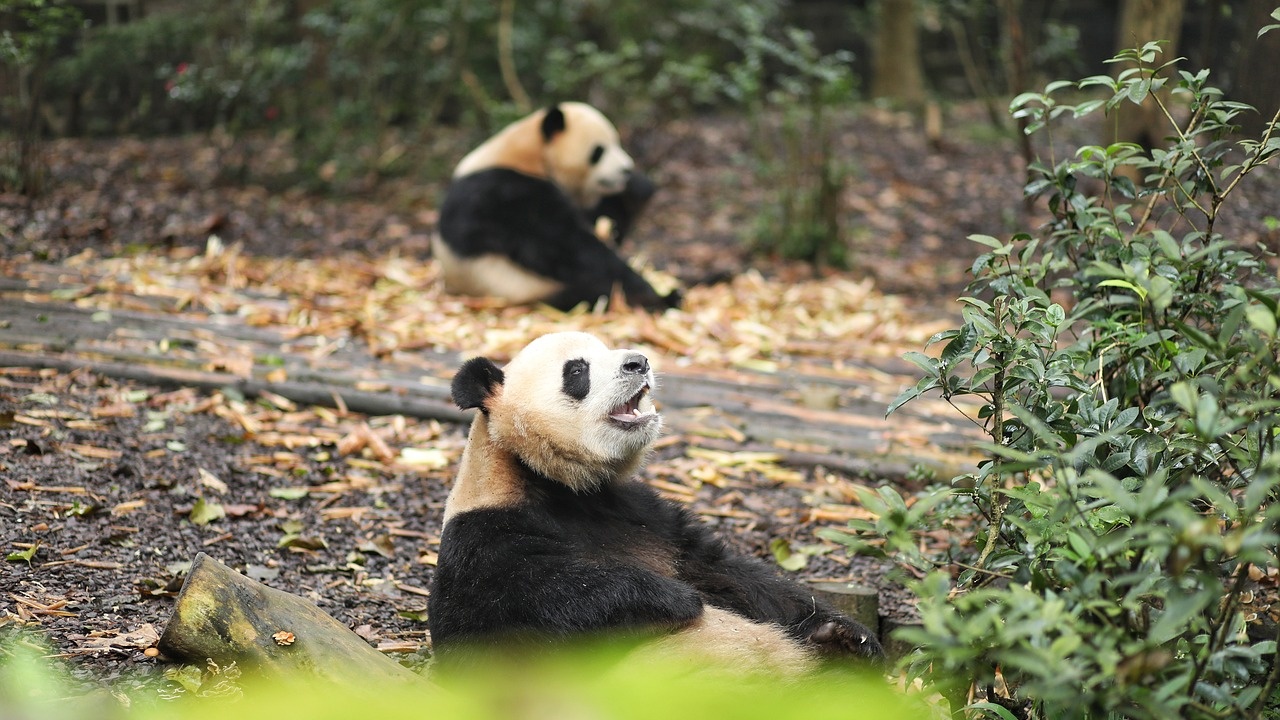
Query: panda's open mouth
point(628, 413)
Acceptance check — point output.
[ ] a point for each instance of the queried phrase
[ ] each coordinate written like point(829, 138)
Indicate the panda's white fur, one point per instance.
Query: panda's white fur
point(547, 532)
point(491, 276)
point(564, 159)
point(722, 643)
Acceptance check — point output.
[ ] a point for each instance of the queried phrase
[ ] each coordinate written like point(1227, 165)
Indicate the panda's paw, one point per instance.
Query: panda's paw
point(843, 637)
point(673, 299)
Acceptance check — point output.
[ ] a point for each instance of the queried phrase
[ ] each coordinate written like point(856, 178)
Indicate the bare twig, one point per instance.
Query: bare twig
point(1248, 167)
point(506, 59)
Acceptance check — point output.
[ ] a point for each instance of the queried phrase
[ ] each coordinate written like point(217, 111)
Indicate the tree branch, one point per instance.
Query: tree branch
point(506, 58)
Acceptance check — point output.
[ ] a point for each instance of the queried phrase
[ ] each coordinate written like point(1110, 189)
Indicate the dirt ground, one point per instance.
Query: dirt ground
point(108, 489)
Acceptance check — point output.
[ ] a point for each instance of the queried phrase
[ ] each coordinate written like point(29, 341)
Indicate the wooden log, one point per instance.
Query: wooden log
point(368, 403)
point(860, 602)
point(227, 617)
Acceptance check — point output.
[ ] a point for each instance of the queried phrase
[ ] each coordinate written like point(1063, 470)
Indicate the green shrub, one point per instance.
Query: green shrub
point(789, 92)
point(248, 65)
point(120, 77)
point(234, 65)
point(1125, 364)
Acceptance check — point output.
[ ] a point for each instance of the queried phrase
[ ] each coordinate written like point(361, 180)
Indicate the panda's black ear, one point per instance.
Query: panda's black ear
point(552, 123)
point(475, 383)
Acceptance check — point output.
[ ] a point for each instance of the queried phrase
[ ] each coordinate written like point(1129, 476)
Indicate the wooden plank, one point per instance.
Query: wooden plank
point(326, 395)
point(217, 352)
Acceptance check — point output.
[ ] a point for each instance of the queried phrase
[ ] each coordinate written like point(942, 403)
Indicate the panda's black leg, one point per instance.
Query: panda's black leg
point(751, 588)
point(634, 288)
point(624, 207)
point(570, 297)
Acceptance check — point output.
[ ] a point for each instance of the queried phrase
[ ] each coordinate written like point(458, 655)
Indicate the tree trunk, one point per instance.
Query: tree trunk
point(1016, 73)
point(898, 74)
point(1142, 21)
point(1258, 59)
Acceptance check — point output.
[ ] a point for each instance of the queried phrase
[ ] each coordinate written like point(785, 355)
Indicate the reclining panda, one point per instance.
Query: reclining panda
point(548, 537)
point(518, 218)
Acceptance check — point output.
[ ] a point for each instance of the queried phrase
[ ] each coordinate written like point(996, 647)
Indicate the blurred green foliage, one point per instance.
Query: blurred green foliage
point(790, 91)
point(577, 684)
point(125, 70)
point(351, 78)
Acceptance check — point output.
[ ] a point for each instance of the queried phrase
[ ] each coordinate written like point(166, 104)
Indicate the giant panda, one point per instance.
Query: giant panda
point(548, 537)
point(518, 219)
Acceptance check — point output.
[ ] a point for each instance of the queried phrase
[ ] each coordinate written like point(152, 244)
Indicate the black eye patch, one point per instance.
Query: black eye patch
point(577, 378)
point(596, 154)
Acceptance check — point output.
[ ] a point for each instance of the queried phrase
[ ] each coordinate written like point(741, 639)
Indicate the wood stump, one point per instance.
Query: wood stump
point(860, 602)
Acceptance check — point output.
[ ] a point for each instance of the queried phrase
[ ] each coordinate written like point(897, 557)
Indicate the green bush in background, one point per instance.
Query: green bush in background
point(124, 71)
point(344, 66)
point(1125, 364)
point(789, 110)
point(30, 32)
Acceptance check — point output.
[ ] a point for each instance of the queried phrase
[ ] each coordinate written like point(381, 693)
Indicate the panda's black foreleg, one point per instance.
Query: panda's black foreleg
point(595, 275)
point(624, 207)
point(622, 597)
point(751, 588)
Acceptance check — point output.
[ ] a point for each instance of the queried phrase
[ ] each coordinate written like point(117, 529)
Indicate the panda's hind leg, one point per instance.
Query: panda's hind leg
point(722, 643)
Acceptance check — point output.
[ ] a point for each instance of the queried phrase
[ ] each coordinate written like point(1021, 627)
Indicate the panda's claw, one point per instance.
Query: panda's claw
point(842, 637)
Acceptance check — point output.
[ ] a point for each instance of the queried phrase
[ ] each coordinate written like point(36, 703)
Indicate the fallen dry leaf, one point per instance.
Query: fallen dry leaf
point(143, 637)
point(125, 508)
point(211, 481)
point(427, 458)
point(91, 451)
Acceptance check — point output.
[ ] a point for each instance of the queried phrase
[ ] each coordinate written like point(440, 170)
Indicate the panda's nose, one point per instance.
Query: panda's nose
point(635, 364)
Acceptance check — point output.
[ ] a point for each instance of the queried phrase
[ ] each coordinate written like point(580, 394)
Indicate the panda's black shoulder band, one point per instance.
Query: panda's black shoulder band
point(475, 382)
point(552, 122)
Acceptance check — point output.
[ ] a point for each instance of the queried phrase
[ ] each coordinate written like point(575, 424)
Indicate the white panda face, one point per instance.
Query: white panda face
point(587, 158)
point(610, 166)
point(576, 411)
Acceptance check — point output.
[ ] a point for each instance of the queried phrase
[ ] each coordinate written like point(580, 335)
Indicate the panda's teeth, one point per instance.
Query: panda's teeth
point(629, 410)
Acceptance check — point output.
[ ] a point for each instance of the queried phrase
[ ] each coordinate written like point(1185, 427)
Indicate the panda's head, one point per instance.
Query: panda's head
point(571, 143)
point(567, 406)
point(583, 153)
